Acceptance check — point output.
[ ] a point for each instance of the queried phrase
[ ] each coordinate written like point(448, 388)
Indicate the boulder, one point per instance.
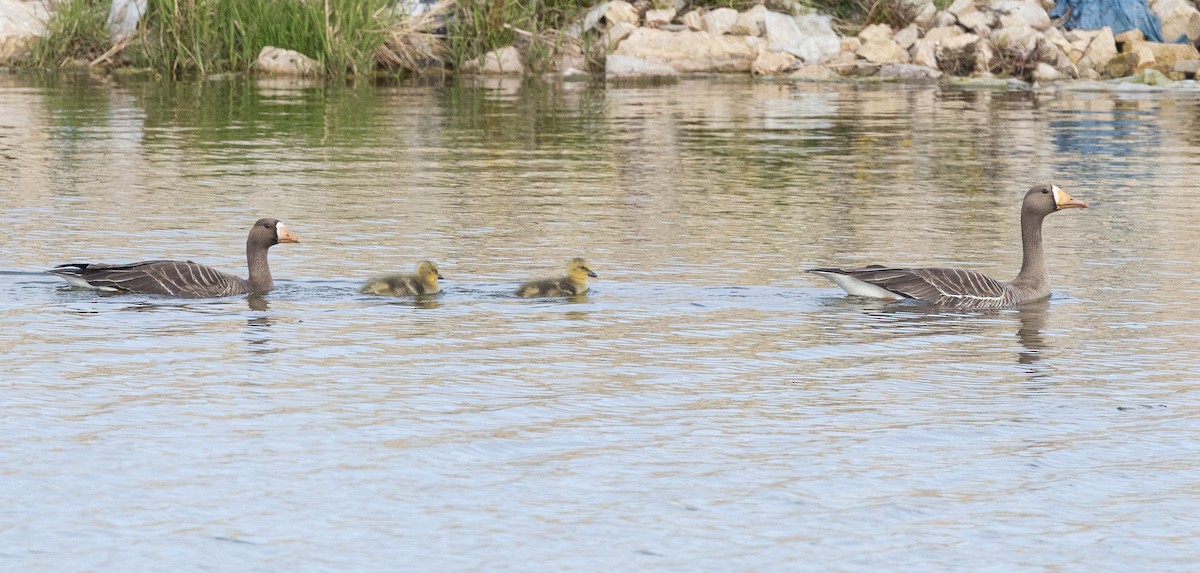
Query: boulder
point(1124, 38)
point(618, 66)
point(924, 53)
point(908, 72)
point(1179, 18)
point(924, 15)
point(969, 17)
point(943, 19)
point(616, 33)
point(875, 32)
point(1188, 67)
point(1047, 73)
point(1032, 14)
point(959, 42)
point(772, 63)
point(621, 11)
point(810, 37)
point(883, 52)
point(1164, 55)
point(281, 62)
point(1016, 35)
point(693, 20)
point(849, 44)
point(942, 32)
point(692, 51)
point(1101, 49)
point(123, 17)
point(813, 73)
point(752, 22)
point(659, 18)
point(20, 26)
point(908, 36)
point(720, 21)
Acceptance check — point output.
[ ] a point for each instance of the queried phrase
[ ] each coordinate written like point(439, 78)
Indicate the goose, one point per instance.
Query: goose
point(575, 283)
point(184, 278)
point(961, 288)
point(425, 281)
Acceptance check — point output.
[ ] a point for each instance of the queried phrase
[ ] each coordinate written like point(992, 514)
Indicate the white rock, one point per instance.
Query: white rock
point(123, 17)
point(621, 11)
point(618, 66)
point(1032, 14)
point(810, 38)
point(693, 20)
point(849, 44)
point(978, 22)
point(883, 52)
point(752, 22)
point(962, 7)
point(958, 42)
point(942, 32)
point(505, 61)
point(813, 73)
point(925, 16)
point(1100, 50)
point(924, 53)
point(692, 51)
point(1018, 36)
point(875, 33)
point(908, 72)
point(944, 18)
point(659, 18)
point(772, 63)
point(616, 33)
point(908, 36)
point(1179, 18)
point(281, 62)
point(720, 21)
point(20, 24)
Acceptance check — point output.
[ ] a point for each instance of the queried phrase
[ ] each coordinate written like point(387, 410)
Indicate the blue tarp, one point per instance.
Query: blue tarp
point(1119, 15)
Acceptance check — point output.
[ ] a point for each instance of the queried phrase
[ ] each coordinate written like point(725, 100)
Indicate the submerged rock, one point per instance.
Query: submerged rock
point(618, 66)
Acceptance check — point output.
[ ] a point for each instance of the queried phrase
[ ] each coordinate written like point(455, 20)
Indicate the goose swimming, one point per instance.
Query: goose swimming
point(963, 288)
point(185, 278)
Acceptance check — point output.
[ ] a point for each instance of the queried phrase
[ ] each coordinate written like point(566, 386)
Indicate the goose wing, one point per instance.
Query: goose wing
point(950, 287)
point(174, 278)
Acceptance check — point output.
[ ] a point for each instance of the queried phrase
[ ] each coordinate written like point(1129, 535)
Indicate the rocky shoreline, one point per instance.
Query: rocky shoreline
point(979, 39)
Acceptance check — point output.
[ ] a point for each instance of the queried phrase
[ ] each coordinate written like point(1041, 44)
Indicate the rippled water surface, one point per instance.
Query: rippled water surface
point(708, 406)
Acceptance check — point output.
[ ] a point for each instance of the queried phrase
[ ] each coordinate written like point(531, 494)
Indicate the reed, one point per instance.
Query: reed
point(77, 31)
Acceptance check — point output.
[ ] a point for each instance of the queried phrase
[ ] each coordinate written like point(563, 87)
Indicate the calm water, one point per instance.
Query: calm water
point(709, 406)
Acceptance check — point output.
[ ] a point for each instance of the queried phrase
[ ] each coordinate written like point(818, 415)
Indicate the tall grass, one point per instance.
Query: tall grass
point(78, 30)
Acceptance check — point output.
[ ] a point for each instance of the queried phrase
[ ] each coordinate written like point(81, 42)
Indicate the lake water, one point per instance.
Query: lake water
point(708, 406)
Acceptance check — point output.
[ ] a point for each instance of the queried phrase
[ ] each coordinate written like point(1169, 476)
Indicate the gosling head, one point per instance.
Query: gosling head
point(1047, 198)
point(578, 271)
point(428, 272)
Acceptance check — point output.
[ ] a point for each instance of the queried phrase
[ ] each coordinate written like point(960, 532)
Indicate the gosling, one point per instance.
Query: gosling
point(575, 283)
point(424, 282)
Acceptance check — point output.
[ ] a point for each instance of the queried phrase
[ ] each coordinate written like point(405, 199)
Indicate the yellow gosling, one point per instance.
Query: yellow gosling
point(575, 283)
point(425, 281)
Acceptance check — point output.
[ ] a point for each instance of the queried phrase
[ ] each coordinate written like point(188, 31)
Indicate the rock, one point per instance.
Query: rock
point(692, 51)
point(908, 72)
point(1131, 35)
point(123, 17)
point(772, 63)
point(693, 21)
point(908, 36)
point(813, 73)
point(959, 42)
point(1047, 73)
point(505, 61)
point(944, 19)
point(621, 11)
point(942, 32)
point(658, 18)
point(1017, 35)
point(969, 17)
point(875, 32)
point(1179, 18)
point(849, 44)
point(924, 53)
point(1188, 67)
point(1165, 55)
point(281, 62)
point(985, 58)
point(1032, 14)
point(616, 33)
point(618, 66)
point(720, 21)
point(752, 22)
point(1151, 77)
point(883, 52)
point(925, 16)
point(962, 7)
point(1099, 51)
point(568, 56)
point(810, 38)
point(20, 25)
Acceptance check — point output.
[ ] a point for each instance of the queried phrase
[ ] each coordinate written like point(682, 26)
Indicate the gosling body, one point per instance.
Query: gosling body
point(424, 281)
point(575, 283)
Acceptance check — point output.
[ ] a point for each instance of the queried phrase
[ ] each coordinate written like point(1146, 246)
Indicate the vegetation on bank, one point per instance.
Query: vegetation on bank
point(188, 37)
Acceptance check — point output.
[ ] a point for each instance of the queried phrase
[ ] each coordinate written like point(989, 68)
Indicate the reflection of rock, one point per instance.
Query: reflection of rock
point(281, 62)
point(908, 72)
point(618, 66)
point(691, 51)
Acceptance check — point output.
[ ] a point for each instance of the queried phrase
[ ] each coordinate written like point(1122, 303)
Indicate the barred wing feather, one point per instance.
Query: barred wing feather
point(174, 278)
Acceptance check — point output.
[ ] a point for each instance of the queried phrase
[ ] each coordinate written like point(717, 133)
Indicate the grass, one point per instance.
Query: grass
point(78, 31)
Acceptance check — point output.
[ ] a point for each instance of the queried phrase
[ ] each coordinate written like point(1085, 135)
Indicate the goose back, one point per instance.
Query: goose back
point(173, 278)
point(942, 286)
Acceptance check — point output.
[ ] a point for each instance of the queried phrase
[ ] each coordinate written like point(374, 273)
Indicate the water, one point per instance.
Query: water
point(709, 406)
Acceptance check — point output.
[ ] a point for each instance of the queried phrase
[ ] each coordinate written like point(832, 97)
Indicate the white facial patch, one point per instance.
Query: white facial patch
point(280, 229)
point(1057, 194)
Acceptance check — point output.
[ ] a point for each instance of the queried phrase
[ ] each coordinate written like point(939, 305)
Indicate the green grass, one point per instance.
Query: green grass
point(78, 31)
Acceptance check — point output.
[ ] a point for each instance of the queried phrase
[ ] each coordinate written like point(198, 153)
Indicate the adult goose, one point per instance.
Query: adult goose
point(185, 278)
point(967, 289)
point(575, 283)
point(425, 281)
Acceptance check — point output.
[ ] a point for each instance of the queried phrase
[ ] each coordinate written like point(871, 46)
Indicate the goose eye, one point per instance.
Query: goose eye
point(1045, 191)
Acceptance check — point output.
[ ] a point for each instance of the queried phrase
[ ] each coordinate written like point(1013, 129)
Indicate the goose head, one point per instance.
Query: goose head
point(1047, 198)
point(269, 232)
point(578, 271)
point(427, 271)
